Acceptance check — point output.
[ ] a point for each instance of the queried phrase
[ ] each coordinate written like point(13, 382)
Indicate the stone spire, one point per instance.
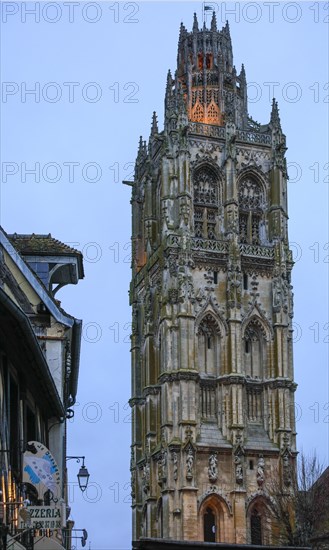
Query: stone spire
point(154, 127)
point(195, 23)
point(213, 26)
point(275, 117)
point(243, 73)
point(182, 32)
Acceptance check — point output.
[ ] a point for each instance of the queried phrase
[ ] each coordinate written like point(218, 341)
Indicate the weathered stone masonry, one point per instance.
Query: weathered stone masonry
point(212, 305)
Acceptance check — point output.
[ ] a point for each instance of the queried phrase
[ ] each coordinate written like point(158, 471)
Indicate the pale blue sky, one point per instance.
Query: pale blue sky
point(128, 62)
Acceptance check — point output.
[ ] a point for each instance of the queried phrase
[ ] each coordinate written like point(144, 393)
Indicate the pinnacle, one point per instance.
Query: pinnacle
point(275, 117)
point(227, 29)
point(154, 127)
point(195, 23)
point(213, 26)
point(181, 31)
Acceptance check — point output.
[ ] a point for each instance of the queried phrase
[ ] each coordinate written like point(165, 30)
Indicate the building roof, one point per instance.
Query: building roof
point(44, 245)
point(20, 259)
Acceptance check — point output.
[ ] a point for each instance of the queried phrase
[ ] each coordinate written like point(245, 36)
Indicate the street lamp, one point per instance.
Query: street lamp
point(83, 475)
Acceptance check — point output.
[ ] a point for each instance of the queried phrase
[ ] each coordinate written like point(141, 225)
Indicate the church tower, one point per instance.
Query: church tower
point(212, 305)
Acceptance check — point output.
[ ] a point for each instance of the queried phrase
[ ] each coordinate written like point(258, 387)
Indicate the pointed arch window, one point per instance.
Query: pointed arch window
point(212, 114)
point(206, 202)
point(213, 520)
point(250, 211)
point(256, 527)
point(261, 523)
point(209, 346)
point(254, 350)
point(198, 113)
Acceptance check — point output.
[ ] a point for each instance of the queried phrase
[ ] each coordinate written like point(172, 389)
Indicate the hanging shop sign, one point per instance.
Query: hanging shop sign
point(41, 470)
point(41, 517)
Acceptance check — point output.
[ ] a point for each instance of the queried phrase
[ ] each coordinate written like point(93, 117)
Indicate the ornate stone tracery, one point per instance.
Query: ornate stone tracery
point(250, 210)
point(206, 202)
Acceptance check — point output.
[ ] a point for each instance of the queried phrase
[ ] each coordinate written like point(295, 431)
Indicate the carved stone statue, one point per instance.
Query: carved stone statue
point(175, 466)
point(260, 471)
point(232, 219)
point(230, 140)
point(164, 464)
point(286, 470)
point(277, 294)
point(238, 470)
point(234, 285)
point(133, 484)
point(213, 469)
point(146, 478)
point(189, 464)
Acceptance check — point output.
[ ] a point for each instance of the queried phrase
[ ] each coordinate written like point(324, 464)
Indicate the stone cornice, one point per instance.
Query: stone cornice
point(151, 390)
point(176, 376)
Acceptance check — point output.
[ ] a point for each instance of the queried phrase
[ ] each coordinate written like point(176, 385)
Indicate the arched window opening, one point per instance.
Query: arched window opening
point(212, 114)
point(256, 527)
point(209, 526)
point(254, 367)
point(250, 211)
point(213, 519)
point(208, 341)
point(198, 113)
point(254, 350)
point(206, 202)
point(200, 61)
point(209, 60)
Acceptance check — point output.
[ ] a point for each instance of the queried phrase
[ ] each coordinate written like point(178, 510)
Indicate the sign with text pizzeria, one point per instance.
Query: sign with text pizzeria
point(41, 517)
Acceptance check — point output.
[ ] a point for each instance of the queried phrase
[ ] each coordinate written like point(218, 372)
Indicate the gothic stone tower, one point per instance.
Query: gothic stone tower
point(212, 365)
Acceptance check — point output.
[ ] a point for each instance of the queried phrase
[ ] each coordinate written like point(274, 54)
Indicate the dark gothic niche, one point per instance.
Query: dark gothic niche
point(250, 211)
point(206, 202)
point(209, 345)
point(255, 349)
